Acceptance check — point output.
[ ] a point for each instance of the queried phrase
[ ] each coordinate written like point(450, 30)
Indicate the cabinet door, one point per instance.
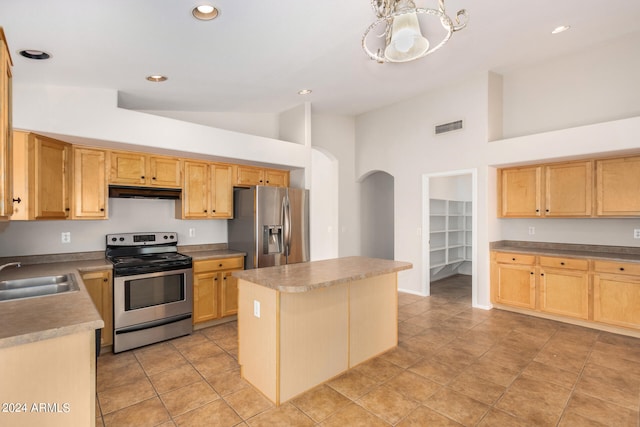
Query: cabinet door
point(195, 191)
point(616, 300)
point(165, 172)
point(520, 192)
point(516, 285)
point(568, 189)
point(6, 134)
point(228, 294)
point(221, 191)
point(89, 183)
point(276, 178)
point(248, 176)
point(99, 287)
point(20, 176)
point(565, 292)
point(618, 186)
point(48, 178)
point(205, 296)
point(128, 168)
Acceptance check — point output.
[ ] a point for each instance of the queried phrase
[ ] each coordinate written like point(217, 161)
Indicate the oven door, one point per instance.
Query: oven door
point(151, 297)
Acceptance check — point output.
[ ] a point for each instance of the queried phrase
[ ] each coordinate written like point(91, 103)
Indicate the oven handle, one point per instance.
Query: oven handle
point(149, 325)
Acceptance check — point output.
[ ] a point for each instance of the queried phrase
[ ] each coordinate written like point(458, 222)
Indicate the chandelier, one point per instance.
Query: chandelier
point(401, 39)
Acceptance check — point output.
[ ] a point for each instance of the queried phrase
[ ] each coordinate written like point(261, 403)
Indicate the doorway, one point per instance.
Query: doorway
point(377, 216)
point(449, 220)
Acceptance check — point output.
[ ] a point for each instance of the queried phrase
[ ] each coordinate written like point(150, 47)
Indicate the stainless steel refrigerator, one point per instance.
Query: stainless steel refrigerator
point(270, 224)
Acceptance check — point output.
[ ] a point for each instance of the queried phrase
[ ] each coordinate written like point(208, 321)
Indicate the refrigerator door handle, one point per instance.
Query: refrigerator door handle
point(286, 225)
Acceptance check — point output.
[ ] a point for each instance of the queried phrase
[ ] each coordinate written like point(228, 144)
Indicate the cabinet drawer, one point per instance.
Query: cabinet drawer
point(510, 258)
point(616, 267)
point(218, 264)
point(569, 263)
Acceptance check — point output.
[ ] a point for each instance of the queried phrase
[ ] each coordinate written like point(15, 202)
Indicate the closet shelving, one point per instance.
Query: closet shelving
point(449, 233)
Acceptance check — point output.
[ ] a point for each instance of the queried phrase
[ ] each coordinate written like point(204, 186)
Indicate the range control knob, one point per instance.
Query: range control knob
point(171, 237)
point(113, 239)
point(121, 239)
point(166, 237)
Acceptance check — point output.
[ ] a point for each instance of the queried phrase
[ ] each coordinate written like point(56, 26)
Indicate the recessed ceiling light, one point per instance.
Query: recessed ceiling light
point(205, 12)
point(157, 78)
point(560, 29)
point(304, 91)
point(34, 54)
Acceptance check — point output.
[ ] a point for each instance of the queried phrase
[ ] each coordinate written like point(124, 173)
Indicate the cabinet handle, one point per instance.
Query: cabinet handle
point(67, 209)
point(532, 272)
point(17, 200)
point(105, 280)
point(213, 211)
point(537, 210)
point(154, 178)
point(621, 268)
point(101, 209)
point(562, 263)
point(513, 259)
point(142, 177)
point(205, 211)
point(220, 265)
point(267, 182)
point(542, 274)
point(546, 210)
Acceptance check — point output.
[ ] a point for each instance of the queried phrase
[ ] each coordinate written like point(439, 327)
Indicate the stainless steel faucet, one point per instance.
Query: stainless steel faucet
point(9, 264)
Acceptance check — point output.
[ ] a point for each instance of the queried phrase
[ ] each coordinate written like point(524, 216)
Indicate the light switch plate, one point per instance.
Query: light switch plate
point(66, 237)
point(256, 308)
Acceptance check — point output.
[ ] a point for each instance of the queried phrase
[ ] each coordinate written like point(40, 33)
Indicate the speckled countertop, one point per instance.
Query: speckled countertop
point(612, 253)
point(35, 319)
point(307, 276)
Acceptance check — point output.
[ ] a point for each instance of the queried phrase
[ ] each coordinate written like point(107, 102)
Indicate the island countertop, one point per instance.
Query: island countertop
point(306, 276)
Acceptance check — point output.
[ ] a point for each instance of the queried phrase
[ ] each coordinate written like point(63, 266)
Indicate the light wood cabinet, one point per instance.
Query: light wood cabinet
point(564, 286)
point(140, 169)
point(215, 291)
point(618, 187)
point(89, 183)
point(100, 288)
point(246, 176)
point(207, 191)
point(513, 279)
point(48, 180)
point(555, 190)
point(616, 293)
point(6, 134)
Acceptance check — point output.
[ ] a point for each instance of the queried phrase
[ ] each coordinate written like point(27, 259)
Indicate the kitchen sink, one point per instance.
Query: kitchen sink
point(37, 286)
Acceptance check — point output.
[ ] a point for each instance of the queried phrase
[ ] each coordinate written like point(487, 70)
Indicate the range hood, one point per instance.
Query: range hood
point(124, 192)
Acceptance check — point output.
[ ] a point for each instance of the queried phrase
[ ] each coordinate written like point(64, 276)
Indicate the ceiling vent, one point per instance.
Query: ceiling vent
point(448, 127)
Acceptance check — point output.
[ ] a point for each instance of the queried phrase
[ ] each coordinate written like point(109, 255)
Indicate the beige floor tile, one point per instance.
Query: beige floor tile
point(320, 402)
point(115, 398)
point(387, 404)
point(378, 369)
point(413, 386)
point(401, 357)
point(551, 374)
point(227, 382)
point(581, 408)
point(539, 402)
point(436, 371)
point(215, 414)
point(174, 378)
point(497, 418)
point(423, 417)
point(189, 397)
point(196, 352)
point(470, 385)
point(248, 402)
point(116, 374)
point(214, 365)
point(159, 358)
point(225, 330)
point(353, 416)
point(352, 384)
point(566, 356)
point(488, 370)
point(457, 407)
point(285, 415)
point(149, 412)
point(610, 385)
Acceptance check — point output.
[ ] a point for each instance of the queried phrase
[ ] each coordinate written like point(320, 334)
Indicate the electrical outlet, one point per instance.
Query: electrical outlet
point(256, 308)
point(66, 237)
point(636, 233)
point(532, 231)
point(192, 232)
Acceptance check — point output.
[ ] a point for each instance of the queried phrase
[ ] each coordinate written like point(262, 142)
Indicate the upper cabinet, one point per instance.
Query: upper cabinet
point(89, 183)
point(139, 169)
point(247, 176)
point(520, 191)
point(207, 191)
point(41, 170)
point(618, 186)
point(6, 135)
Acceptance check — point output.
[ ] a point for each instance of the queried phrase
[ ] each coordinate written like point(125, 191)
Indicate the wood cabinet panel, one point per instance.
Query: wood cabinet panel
point(565, 292)
point(616, 267)
point(100, 288)
point(570, 263)
point(276, 178)
point(618, 186)
point(165, 172)
point(520, 192)
point(215, 291)
point(128, 168)
point(516, 285)
point(228, 294)
point(6, 133)
point(617, 300)
point(48, 178)
point(89, 183)
point(246, 176)
point(513, 258)
point(195, 191)
point(206, 292)
point(221, 194)
point(568, 189)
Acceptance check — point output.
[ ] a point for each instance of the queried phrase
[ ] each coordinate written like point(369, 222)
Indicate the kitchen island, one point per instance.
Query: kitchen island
point(300, 325)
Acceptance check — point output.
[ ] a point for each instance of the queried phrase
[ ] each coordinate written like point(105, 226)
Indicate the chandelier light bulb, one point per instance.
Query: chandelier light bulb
point(407, 42)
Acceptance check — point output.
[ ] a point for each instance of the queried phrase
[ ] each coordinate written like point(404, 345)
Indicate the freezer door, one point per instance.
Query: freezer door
point(297, 227)
point(269, 226)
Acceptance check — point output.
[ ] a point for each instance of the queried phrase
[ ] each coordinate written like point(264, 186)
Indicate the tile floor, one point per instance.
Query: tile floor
point(454, 366)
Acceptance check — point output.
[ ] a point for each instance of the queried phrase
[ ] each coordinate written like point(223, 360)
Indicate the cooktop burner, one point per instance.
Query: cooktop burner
point(148, 258)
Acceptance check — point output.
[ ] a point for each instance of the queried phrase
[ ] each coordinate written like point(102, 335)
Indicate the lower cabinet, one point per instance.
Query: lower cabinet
point(100, 288)
point(215, 291)
point(616, 294)
point(597, 291)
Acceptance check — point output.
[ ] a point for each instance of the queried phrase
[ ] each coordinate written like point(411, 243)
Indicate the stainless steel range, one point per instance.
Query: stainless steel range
point(152, 289)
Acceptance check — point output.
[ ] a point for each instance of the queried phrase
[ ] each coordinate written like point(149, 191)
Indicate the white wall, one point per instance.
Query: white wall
point(456, 187)
point(377, 222)
point(126, 215)
point(324, 206)
point(336, 135)
point(598, 85)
